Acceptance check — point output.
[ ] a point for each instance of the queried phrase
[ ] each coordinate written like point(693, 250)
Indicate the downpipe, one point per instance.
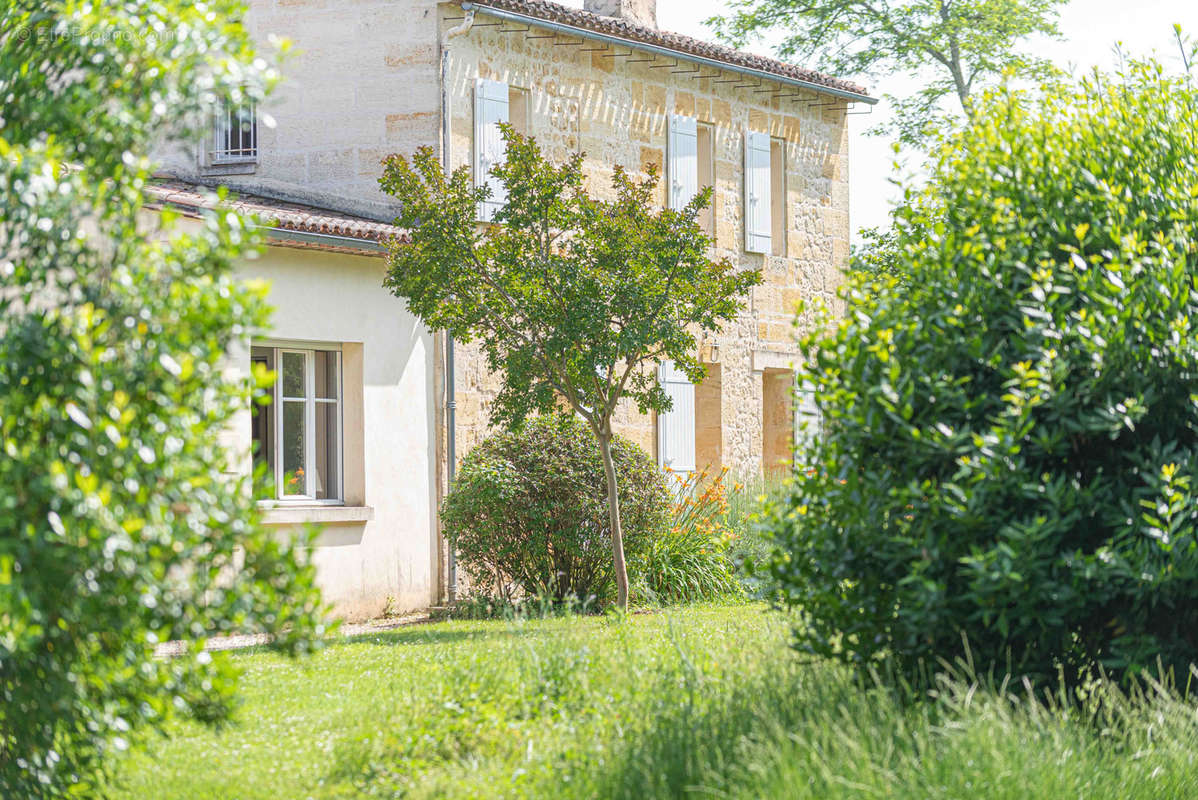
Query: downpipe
point(450, 403)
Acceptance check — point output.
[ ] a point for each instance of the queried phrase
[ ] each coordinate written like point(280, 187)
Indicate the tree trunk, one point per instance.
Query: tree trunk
point(613, 511)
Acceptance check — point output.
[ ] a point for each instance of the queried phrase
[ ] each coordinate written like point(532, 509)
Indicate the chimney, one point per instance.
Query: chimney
point(638, 12)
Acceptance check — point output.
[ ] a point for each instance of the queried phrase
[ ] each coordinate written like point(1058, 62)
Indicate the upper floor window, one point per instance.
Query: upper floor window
point(758, 212)
point(778, 196)
point(234, 134)
point(765, 194)
point(298, 435)
point(690, 165)
point(495, 103)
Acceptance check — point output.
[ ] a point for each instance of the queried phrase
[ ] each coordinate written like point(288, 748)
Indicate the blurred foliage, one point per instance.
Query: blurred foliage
point(528, 513)
point(878, 256)
point(752, 545)
point(120, 526)
point(1008, 473)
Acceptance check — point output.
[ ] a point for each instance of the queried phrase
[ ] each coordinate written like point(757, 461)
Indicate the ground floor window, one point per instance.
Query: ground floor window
point(777, 420)
point(297, 435)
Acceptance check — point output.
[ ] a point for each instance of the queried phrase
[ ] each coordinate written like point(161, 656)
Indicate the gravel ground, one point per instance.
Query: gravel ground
point(237, 642)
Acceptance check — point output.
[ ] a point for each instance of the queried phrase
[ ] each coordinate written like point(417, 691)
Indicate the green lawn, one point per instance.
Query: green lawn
point(699, 701)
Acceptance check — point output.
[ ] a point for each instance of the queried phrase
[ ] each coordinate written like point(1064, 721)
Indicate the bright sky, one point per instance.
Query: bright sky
point(1090, 27)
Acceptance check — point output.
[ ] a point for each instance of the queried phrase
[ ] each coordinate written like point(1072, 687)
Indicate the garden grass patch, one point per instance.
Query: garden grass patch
point(704, 701)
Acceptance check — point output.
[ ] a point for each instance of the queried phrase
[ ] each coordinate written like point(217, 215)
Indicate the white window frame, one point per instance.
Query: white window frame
point(310, 400)
point(222, 126)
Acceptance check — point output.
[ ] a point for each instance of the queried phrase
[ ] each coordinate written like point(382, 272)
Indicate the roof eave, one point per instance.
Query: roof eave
point(287, 237)
point(715, 63)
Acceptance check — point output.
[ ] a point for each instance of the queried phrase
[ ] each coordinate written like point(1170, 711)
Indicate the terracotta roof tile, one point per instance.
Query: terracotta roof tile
point(283, 215)
point(553, 12)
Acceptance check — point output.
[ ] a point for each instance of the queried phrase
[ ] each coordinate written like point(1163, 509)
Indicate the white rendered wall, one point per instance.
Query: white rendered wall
point(335, 298)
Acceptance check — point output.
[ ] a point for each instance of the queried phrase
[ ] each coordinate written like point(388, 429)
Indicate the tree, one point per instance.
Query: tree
point(878, 255)
point(957, 47)
point(118, 527)
point(574, 299)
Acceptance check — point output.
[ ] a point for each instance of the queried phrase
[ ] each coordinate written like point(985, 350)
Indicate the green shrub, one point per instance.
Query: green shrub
point(1012, 437)
point(118, 526)
point(690, 559)
point(528, 511)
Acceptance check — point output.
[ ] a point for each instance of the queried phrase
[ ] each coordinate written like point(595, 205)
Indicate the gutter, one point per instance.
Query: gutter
point(366, 246)
point(635, 44)
point(450, 378)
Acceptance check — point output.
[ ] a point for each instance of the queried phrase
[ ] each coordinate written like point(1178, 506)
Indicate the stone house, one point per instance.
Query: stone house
point(370, 404)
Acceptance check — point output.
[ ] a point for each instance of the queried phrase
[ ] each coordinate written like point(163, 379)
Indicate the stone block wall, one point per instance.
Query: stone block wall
point(362, 81)
point(617, 113)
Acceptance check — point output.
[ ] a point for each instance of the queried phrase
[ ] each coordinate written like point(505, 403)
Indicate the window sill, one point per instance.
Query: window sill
point(229, 168)
point(318, 515)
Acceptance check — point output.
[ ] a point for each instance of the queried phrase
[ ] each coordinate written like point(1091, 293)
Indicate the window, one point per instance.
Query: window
point(778, 197)
point(705, 141)
point(298, 434)
point(492, 106)
point(683, 166)
point(765, 194)
point(691, 165)
point(676, 427)
point(808, 423)
point(758, 193)
point(519, 109)
point(495, 103)
point(235, 134)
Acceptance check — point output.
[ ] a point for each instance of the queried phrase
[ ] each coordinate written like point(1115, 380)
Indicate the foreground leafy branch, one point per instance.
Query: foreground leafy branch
point(119, 527)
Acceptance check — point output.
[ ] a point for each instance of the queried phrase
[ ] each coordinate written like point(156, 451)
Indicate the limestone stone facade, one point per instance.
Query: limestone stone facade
point(614, 105)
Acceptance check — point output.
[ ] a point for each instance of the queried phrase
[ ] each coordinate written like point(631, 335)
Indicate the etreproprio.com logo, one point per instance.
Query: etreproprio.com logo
point(44, 34)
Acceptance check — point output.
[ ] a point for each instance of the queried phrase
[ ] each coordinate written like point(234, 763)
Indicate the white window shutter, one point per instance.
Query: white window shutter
point(683, 150)
point(490, 109)
point(676, 427)
point(757, 192)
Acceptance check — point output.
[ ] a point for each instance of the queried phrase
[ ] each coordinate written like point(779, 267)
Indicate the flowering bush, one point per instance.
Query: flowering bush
point(691, 560)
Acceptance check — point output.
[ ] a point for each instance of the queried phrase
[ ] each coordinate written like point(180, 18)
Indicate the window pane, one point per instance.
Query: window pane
point(262, 430)
point(328, 478)
point(293, 447)
point(293, 374)
point(326, 374)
